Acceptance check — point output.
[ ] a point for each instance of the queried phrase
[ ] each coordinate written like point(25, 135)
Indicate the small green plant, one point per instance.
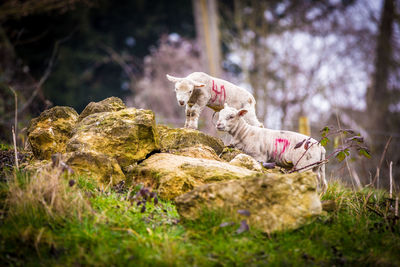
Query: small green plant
point(353, 141)
point(5, 147)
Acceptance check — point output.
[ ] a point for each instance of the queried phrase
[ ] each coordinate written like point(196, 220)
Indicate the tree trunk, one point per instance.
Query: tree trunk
point(378, 97)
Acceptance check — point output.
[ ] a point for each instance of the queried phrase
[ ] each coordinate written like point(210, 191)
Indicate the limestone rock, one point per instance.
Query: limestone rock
point(172, 175)
point(49, 133)
point(197, 151)
point(229, 153)
point(106, 105)
point(246, 161)
point(128, 135)
point(275, 201)
point(179, 138)
point(100, 167)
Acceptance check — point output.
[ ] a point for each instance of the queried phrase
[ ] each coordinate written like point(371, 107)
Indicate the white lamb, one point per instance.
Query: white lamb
point(266, 145)
point(199, 89)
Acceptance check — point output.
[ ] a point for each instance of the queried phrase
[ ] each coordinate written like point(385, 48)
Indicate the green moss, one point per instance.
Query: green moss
point(178, 138)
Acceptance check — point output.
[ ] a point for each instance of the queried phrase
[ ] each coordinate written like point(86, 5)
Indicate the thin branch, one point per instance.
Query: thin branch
point(47, 72)
point(381, 161)
point(15, 148)
point(295, 165)
point(347, 162)
point(120, 61)
point(391, 180)
point(16, 108)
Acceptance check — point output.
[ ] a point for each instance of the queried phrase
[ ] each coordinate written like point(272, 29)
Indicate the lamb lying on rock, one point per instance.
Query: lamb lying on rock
point(266, 145)
point(199, 89)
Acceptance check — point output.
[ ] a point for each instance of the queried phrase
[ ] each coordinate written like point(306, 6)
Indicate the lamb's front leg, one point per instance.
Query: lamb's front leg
point(192, 116)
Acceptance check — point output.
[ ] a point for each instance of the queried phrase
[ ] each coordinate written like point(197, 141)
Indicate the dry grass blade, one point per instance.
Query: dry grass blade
point(15, 128)
point(46, 193)
point(391, 180)
point(381, 161)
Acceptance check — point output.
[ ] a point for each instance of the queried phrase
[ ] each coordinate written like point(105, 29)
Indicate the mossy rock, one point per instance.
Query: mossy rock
point(197, 151)
point(229, 153)
point(178, 138)
point(246, 161)
point(128, 135)
point(273, 202)
point(100, 167)
point(106, 105)
point(172, 175)
point(49, 133)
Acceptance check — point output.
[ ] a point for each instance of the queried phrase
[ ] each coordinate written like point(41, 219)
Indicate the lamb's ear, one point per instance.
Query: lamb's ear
point(242, 112)
point(196, 84)
point(173, 79)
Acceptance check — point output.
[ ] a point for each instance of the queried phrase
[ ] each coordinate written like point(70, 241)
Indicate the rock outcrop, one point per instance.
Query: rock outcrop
point(106, 105)
point(246, 161)
point(274, 202)
point(128, 135)
point(49, 133)
point(197, 151)
point(110, 143)
point(92, 165)
point(172, 139)
point(172, 175)
point(229, 153)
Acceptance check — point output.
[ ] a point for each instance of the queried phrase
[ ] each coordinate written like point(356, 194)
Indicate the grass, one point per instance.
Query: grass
point(45, 221)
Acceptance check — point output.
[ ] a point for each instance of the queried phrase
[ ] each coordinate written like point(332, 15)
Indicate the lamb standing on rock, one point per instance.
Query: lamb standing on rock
point(199, 89)
point(267, 145)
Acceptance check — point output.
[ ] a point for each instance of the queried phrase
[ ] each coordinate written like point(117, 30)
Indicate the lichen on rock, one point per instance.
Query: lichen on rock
point(172, 175)
point(128, 135)
point(197, 151)
point(178, 138)
point(246, 161)
point(229, 153)
point(106, 105)
point(100, 167)
point(49, 133)
point(275, 201)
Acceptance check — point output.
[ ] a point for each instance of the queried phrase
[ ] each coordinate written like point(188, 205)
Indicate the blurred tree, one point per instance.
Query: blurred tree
point(14, 71)
point(173, 55)
point(383, 96)
point(317, 58)
point(267, 42)
point(92, 39)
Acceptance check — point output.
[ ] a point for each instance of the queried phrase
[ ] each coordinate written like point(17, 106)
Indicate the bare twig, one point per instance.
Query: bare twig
point(317, 163)
point(15, 148)
point(355, 178)
point(47, 72)
point(120, 60)
point(295, 165)
point(16, 109)
point(390, 180)
point(14, 128)
point(396, 207)
point(381, 161)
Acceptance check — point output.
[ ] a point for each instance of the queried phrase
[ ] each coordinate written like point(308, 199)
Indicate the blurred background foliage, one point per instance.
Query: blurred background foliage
point(335, 62)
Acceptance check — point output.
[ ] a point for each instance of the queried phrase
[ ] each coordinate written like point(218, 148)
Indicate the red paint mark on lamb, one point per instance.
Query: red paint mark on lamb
point(281, 145)
point(221, 94)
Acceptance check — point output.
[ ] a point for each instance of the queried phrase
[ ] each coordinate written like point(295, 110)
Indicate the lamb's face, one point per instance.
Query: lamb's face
point(228, 118)
point(183, 90)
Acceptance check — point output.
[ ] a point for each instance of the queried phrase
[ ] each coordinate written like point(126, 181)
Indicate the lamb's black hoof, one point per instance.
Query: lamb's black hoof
point(268, 165)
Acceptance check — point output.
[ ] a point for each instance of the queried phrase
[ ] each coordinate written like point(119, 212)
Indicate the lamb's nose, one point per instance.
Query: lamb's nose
point(181, 102)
